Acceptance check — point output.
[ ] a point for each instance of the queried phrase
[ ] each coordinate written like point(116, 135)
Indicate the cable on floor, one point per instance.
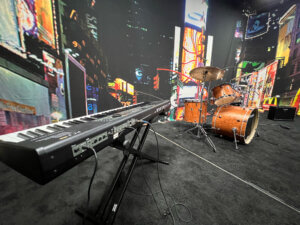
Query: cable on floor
point(91, 182)
point(164, 193)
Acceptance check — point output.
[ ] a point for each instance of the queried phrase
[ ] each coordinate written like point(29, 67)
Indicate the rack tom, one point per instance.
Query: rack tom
point(224, 94)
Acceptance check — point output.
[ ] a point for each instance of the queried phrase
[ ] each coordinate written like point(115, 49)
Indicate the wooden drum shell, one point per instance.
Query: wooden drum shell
point(228, 117)
point(192, 111)
point(223, 94)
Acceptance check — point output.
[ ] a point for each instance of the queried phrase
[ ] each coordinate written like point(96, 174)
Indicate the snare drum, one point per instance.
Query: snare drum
point(243, 120)
point(192, 111)
point(224, 94)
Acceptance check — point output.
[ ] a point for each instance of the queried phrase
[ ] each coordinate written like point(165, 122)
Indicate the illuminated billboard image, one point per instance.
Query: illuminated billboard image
point(10, 35)
point(285, 35)
point(45, 22)
point(27, 17)
point(257, 25)
point(270, 80)
point(196, 13)
point(193, 51)
point(55, 76)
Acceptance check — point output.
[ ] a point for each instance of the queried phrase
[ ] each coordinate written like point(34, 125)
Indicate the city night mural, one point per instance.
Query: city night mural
point(70, 58)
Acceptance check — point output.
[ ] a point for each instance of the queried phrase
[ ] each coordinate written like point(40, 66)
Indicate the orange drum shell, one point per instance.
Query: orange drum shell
point(227, 117)
point(223, 93)
point(192, 111)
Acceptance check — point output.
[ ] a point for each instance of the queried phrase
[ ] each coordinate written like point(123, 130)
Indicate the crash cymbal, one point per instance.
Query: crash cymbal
point(207, 73)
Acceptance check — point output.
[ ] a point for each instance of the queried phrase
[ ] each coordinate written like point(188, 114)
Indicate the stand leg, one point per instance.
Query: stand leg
point(108, 208)
point(199, 126)
point(257, 133)
point(152, 159)
point(235, 141)
point(208, 139)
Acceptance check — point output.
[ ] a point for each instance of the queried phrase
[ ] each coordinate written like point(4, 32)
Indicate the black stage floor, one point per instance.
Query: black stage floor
point(257, 184)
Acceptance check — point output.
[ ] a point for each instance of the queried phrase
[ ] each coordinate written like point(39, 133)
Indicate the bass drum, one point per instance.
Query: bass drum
point(243, 120)
point(192, 111)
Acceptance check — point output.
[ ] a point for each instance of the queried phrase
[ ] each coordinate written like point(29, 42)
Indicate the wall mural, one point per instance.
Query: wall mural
point(136, 52)
point(279, 47)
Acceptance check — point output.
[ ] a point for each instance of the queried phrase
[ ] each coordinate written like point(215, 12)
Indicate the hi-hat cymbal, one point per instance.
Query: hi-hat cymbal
point(207, 73)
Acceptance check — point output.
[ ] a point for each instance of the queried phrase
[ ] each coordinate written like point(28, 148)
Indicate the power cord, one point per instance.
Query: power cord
point(158, 174)
point(145, 178)
point(175, 204)
point(91, 182)
point(172, 198)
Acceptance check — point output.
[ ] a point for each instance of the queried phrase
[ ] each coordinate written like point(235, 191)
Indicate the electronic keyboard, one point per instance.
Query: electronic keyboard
point(43, 153)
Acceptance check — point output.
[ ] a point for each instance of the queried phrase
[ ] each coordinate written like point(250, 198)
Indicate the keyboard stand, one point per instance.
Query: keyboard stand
point(111, 200)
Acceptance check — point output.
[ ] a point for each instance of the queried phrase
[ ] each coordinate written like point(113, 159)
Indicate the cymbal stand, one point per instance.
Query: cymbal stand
point(199, 126)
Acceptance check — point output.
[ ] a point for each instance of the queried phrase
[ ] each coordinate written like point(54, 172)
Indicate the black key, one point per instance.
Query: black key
point(23, 136)
point(68, 123)
point(73, 123)
point(59, 126)
point(87, 118)
point(41, 131)
point(100, 116)
point(31, 133)
point(77, 121)
point(116, 115)
point(53, 128)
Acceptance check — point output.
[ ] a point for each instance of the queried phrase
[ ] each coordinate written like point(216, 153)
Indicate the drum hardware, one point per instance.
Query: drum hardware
point(204, 74)
point(234, 134)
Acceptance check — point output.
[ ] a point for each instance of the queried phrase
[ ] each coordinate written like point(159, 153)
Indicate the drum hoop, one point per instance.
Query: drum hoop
point(216, 100)
point(220, 85)
point(194, 101)
point(225, 96)
point(243, 123)
point(217, 116)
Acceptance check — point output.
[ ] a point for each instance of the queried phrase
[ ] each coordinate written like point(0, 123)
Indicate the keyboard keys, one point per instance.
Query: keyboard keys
point(59, 126)
point(33, 134)
point(68, 123)
point(87, 119)
point(24, 136)
point(41, 131)
point(53, 128)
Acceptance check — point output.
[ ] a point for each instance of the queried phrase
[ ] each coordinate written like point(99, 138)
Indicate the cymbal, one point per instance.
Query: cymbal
point(207, 73)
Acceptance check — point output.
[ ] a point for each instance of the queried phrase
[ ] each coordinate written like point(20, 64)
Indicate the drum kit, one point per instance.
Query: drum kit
point(238, 122)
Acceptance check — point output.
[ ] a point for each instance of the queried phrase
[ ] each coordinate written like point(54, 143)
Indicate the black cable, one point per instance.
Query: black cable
point(184, 206)
point(158, 174)
point(144, 176)
point(91, 181)
point(175, 204)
